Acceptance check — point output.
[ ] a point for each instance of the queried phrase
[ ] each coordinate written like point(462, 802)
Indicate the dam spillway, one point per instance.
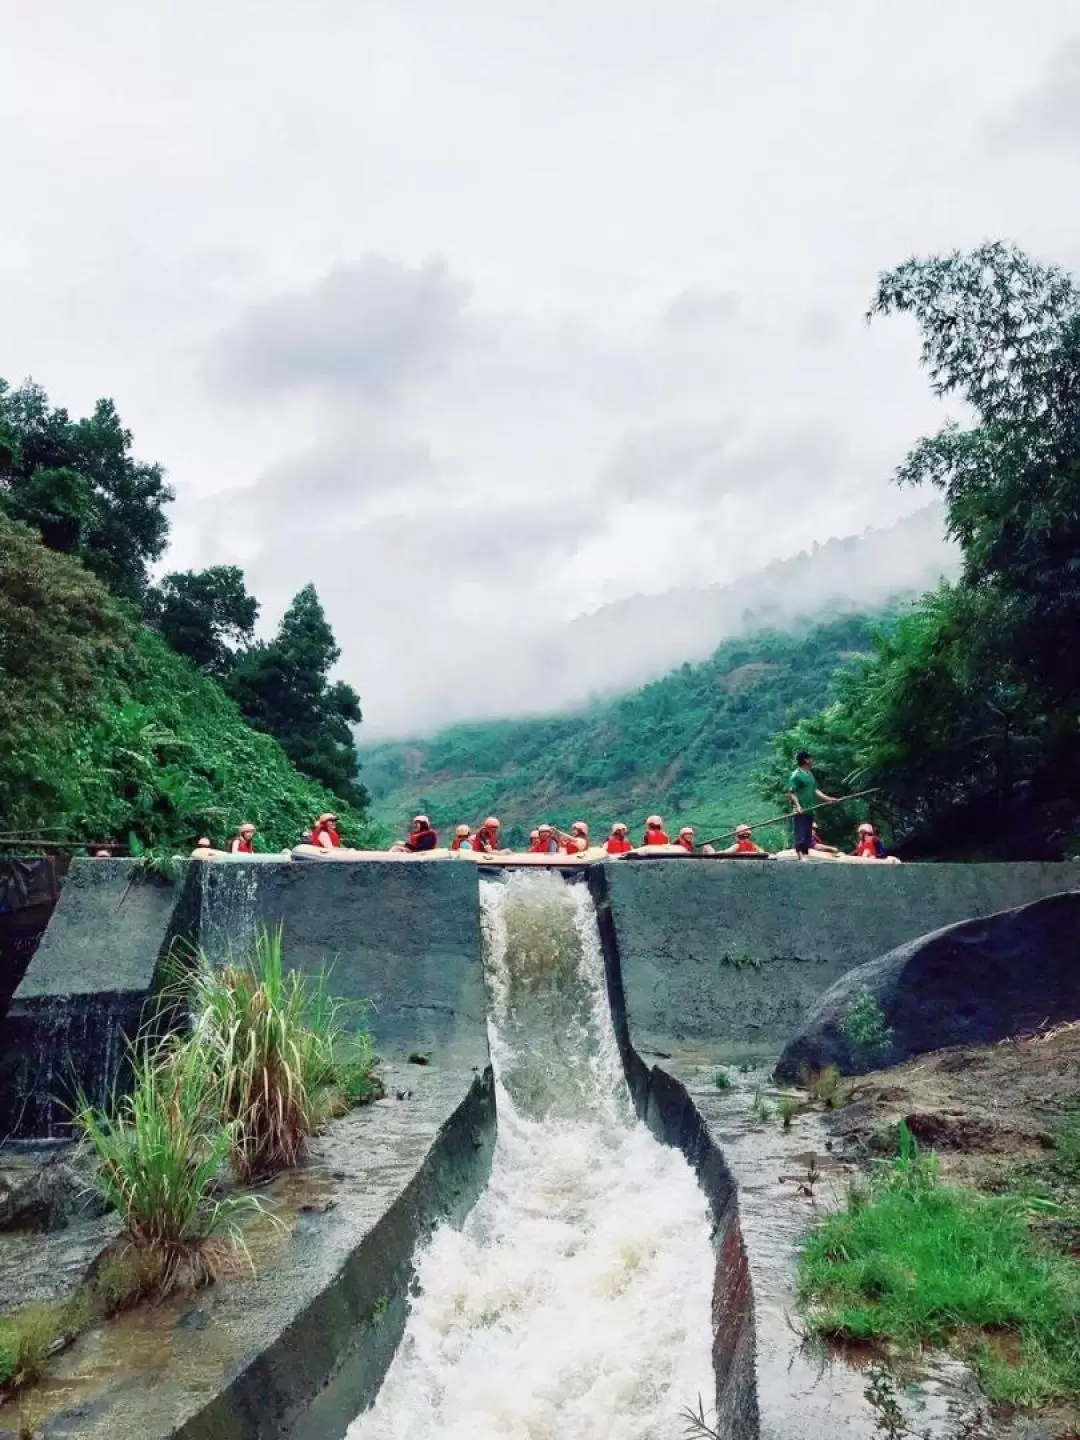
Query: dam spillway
point(576, 1300)
point(700, 964)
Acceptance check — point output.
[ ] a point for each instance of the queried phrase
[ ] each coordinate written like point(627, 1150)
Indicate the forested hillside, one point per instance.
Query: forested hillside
point(688, 745)
point(107, 734)
point(131, 711)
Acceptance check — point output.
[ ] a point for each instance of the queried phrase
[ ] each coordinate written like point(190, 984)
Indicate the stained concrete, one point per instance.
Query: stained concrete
point(404, 937)
point(296, 1350)
point(727, 960)
point(89, 988)
point(29, 890)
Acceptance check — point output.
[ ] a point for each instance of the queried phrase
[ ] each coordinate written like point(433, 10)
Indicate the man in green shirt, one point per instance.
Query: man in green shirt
point(804, 794)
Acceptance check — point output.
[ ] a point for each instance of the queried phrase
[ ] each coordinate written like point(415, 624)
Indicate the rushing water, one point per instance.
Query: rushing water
point(575, 1303)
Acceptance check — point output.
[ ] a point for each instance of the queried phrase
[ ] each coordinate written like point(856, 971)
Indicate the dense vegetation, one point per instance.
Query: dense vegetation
point(106, 733)
point(112, 729)
point(968, 715)
point(688, 744)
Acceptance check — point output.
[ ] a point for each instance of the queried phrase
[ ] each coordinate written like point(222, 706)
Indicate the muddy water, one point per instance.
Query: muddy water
point(805, 1392)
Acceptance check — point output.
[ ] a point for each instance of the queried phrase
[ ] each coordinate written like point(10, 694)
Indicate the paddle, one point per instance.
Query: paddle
point(807, 810)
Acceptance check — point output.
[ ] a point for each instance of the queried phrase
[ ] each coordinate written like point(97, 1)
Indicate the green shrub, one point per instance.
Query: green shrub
point(722, 1079)
point(787, 1108)
point(864, 1027)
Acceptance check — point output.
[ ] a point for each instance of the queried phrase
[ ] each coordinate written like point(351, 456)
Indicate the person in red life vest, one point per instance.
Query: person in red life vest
point(744, 843)
point(547, 842)
point(422, 836)
point(617, 842)
point(685, 838)
point(324, 833)
point(461, 839)
point(534, 835)
point(577, 842)
point(869, 846)
point(654, 832)
point(487, 837)
point(243, 842)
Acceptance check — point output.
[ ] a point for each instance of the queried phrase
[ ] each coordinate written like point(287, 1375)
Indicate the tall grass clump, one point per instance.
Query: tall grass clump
point(161, 1157)
point(282, 1050)
point(913, 1262)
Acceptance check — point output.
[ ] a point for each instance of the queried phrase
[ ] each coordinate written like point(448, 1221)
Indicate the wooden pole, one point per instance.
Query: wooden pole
point(807, 810)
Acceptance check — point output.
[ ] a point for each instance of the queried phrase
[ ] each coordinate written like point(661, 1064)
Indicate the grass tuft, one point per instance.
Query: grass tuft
point(760, 1109)
point(787, 1107)
point(915, 1263)
point(823, 1086)
point(161, 1156)
point(722, 1079)
point(284, 1054)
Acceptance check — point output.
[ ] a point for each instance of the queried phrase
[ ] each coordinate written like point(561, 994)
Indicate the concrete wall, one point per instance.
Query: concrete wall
point(90, 986)
point(405, 937)
point(727, 959)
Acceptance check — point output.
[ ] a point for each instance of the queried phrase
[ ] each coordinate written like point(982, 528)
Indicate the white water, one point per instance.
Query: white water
point(576, 1302)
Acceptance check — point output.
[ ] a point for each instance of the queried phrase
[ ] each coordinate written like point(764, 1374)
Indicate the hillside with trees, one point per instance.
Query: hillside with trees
point(143, 713)
point(689, 744)
point(967, 716)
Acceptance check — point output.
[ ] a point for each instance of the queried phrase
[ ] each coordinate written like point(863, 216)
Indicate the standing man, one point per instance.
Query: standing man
point(804, 794)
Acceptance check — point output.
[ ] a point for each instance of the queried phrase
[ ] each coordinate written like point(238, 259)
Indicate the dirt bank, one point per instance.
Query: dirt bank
point(1004, 1119)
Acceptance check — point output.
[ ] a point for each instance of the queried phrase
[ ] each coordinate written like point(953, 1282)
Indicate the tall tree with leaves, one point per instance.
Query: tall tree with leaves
point(78, 484)
point(975, 701)
point(206, 615)
point(283, 687)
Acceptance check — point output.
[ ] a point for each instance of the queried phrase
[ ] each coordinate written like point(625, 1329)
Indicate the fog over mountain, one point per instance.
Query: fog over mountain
point(628, 642)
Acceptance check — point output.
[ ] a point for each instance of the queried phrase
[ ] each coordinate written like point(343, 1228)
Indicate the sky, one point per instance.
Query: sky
point(484, 316)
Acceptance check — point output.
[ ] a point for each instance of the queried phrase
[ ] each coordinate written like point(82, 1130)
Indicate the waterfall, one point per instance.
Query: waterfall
point(575, 1304)
point(227, 909)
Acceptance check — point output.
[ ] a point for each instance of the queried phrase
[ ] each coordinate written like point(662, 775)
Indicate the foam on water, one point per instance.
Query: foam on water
point(576, 1302)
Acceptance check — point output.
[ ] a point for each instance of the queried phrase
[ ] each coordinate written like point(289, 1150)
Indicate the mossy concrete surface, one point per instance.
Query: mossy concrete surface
point(726, 960)
point(298, 1349)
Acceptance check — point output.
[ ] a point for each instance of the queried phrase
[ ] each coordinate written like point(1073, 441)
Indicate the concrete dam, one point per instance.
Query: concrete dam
point(538, 1233)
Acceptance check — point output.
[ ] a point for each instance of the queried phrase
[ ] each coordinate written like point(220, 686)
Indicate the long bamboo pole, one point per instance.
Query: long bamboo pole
point(807, 810)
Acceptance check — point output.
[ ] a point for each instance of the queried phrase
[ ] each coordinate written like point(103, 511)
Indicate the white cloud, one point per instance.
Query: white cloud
point(483, 316)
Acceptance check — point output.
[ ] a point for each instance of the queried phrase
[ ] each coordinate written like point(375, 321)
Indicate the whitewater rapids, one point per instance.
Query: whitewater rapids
point(575, 1304)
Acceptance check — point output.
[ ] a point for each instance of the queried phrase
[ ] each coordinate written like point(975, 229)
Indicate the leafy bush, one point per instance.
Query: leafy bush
point(865, 1028)
point(721, 1079)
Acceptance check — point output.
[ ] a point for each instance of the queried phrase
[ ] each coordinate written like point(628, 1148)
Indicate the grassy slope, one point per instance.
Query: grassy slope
point(105, 732)
point(687, 744)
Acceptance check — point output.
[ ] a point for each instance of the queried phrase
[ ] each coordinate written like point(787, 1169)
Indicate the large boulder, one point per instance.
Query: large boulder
point(968, 984)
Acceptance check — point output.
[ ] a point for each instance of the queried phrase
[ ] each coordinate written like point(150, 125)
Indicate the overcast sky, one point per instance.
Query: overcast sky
point(485, 314)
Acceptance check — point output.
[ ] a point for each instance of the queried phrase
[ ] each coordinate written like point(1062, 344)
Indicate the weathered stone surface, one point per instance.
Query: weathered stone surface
point(295, 1351)
point(91, 985)
point(967, 984)
point(404, 937)
point(729, 959)
point(29, 890)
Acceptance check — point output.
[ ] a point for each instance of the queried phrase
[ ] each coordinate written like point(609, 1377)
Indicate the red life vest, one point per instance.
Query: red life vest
point(327, 830)
point(550, 846)
point(655, 837)
point(485, 838)
point(460, 840)
point(685, 842)
point(239, 846)
point(868, 847)
point(618, 845)
point(576, 846)
point(746, 847)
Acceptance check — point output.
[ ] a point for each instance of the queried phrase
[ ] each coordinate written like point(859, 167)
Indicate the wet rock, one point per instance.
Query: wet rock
point(974, 983)
point(48, 1194)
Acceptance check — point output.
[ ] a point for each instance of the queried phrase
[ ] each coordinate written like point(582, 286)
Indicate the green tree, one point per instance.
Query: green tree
point(971, 707)
point(283, 687)
point(116, 520)
point(206, 615)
